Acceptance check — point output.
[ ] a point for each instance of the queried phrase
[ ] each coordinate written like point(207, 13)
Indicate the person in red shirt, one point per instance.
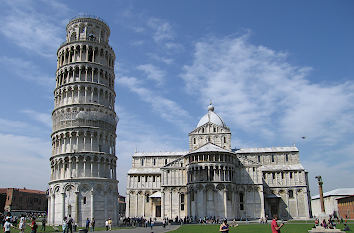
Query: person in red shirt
point(274, 225)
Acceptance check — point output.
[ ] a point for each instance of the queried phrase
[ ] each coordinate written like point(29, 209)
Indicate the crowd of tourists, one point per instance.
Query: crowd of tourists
point(8, 222)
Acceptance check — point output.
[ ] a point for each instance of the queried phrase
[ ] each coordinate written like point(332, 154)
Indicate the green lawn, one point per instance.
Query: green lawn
point(51, 229)
point(250, 228)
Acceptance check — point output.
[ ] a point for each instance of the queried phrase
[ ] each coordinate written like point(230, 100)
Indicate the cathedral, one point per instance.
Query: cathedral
point(214, 180)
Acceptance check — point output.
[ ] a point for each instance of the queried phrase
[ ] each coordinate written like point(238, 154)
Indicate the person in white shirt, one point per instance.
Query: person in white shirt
point(22, 224)
point(7, 225)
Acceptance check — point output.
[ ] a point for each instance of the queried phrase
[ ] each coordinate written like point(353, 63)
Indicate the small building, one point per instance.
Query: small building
point(23, 200)
point(121, 206)
point(346, 207)
point(330, 201)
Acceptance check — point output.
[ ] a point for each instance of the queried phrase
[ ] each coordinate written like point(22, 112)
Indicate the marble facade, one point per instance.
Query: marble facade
point(83, 180)
point(211, 179)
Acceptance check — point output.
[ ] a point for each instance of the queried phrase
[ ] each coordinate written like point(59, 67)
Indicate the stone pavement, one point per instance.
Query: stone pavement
point(156, 229)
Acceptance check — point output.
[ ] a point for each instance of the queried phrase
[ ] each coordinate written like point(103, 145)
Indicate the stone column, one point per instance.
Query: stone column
point(205, 202)
point(77, 207)
point(105, 205)
point(70, 142)
point(92, 204)
point(63, 205)
point(171, 204)
point(137, 205)
point(143, 203)
point(91, 141)
point(162, 205)
point(49, 209)
point(98, 168)
point(189, 204)
point(320, 183)
point(91, 170)
point(53, 209)
point(261, 194)
point(225, 201)
point(70, 167)
point(297, 202)
point(127, 209)
point(179, 204)
point(77, 167)
point(84, 139)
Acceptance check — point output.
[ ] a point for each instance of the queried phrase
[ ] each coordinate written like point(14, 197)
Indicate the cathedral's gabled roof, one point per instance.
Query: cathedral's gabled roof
point(210, 147)
point(268, 149)
point(212, 117)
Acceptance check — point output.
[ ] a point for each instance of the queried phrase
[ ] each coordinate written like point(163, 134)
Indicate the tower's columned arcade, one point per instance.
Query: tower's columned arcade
point(83, 180)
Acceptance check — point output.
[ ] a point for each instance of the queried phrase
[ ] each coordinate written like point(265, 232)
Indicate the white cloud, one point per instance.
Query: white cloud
point(27, 70)
point(44, 118)
point(35, 31)
point(21, 157)
point(260, 92)
point(162, 29)
point(165, 60)
point(133, 134)
point(266, 99)
point(153, 73)
point(167, 109)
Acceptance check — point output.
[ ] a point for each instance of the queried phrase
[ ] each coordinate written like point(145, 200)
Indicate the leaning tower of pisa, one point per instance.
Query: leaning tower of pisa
point(83, 180)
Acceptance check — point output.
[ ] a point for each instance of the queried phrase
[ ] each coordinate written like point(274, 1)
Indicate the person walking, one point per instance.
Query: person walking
point(106, 224)
point(7, 225)
point(274, 225)
point(34, 225)
point(70, 224)
point(64, 225)
point(22, 224)
point(93, 222)
point(44, 221)
point(110, 224)
point(87, 224)
point(224, 227)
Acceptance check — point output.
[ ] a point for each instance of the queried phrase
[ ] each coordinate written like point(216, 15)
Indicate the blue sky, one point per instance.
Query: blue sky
point(275, 70)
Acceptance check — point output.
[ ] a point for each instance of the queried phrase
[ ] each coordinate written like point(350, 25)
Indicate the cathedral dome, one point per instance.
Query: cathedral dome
point(212, 117)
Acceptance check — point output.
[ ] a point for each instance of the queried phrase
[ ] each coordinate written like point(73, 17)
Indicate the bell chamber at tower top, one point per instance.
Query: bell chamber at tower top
point(87, 29)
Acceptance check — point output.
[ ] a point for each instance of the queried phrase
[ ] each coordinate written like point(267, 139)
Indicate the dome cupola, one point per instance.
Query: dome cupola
point(212, 117)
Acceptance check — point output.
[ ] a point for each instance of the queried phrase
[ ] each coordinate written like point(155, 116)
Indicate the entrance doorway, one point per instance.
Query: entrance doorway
point(158, 211)
point(274, 206)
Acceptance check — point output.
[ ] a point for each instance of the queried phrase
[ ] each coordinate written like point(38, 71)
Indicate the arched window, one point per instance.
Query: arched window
point(154, 162)
point(241, 201)
point(142, 162)
point(194, 141)
point(165, 161)
point(259, 158)
point(202, 130)
point(272, 158)
point(286, 158)
point(291, 194)
point(224, 139)
point(73, 36)
point(84, 200)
